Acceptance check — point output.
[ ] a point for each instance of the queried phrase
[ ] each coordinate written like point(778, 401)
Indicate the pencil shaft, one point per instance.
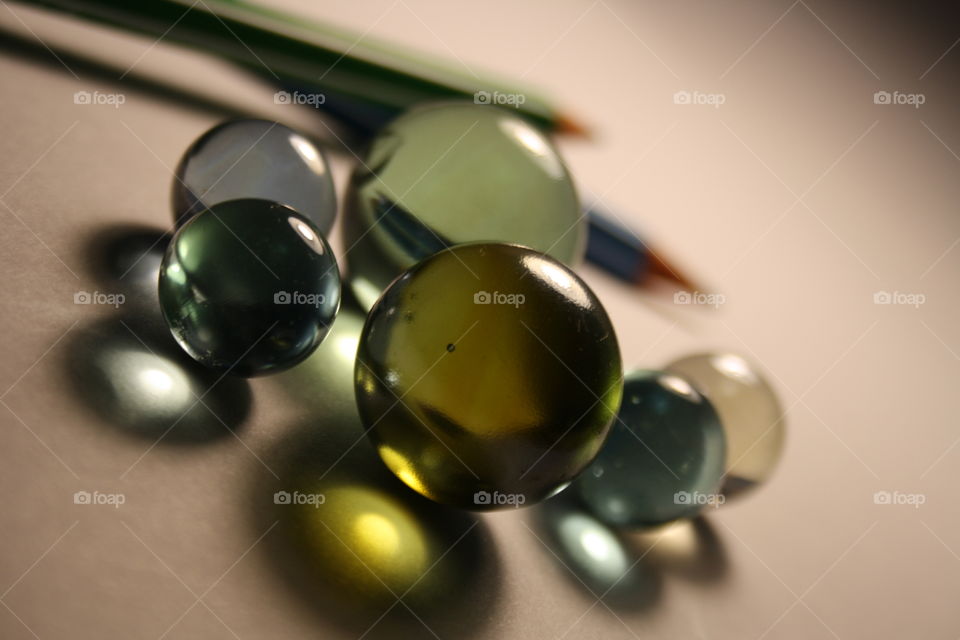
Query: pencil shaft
point(295, 52)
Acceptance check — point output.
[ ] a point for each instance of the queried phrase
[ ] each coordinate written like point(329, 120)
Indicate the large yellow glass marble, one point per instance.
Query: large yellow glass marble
point(488, 376)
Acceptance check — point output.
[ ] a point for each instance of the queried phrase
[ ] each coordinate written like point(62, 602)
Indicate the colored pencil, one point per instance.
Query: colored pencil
point(292, 51)
point(365, 84)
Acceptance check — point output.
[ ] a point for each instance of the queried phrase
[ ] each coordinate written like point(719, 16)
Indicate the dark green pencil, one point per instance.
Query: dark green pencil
point(310, 56)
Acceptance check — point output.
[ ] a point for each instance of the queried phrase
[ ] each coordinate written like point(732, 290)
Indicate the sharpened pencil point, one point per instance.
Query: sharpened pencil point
point(657, 267)
point(567, 125)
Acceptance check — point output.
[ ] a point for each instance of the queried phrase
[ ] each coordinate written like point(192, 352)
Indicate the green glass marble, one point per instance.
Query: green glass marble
point(664, 457)
point(487, 376)
point(249, 286)
point(455, 173)
point(749, 412)
point(255, 159)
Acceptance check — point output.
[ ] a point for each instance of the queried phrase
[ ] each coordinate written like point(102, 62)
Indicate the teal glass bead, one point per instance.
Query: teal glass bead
point(664, 457)
point(249, 287)
point(749, 411)
point(255, 159)
point(455, 173)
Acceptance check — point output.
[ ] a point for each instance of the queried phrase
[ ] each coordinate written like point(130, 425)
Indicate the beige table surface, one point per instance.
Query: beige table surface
point(798, 199)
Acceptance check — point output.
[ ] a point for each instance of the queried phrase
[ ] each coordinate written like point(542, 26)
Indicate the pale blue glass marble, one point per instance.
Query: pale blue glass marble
point(664, 458)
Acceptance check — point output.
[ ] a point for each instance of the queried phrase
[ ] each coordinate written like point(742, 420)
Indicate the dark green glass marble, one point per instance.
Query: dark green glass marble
point(249, 287)
point(664, 457)
point(455, 173)
point(255, 159)
point(487, 376)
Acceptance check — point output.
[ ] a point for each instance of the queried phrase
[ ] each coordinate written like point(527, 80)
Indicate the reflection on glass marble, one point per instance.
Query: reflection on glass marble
point(137, 379)
point(255, 159)
point(488, 376)
point(249, 287)
point(749, 412)
point(664, 457)
point(453, 173)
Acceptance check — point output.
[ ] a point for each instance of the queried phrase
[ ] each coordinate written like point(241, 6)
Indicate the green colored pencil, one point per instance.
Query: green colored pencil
point(351, 68)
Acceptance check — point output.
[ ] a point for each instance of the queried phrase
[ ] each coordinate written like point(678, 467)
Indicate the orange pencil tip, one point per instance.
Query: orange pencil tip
point(567, 125)
point(659, 269)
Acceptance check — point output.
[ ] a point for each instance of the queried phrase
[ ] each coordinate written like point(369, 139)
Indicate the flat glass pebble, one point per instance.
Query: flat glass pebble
point(749, 412)
point(664, 457)
point(249, 287)
point(522, 402)
point(453, 173)
point(255, 159)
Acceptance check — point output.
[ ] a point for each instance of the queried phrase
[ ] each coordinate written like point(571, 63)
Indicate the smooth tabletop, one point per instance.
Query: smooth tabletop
point(746, 139)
